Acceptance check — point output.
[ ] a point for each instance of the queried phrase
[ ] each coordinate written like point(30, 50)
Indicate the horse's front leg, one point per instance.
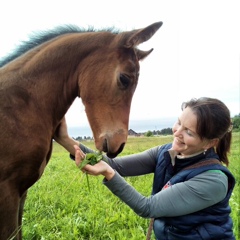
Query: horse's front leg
point(20, 214)
point(9, 207)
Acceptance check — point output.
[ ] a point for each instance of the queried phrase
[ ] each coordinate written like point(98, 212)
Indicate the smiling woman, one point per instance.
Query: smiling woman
point(191, 169)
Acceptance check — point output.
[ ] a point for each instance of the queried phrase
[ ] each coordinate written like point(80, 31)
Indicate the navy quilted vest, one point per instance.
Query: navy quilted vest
point(212, 223)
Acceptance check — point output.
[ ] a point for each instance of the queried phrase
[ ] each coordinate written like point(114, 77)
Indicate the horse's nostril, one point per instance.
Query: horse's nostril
point(105, 146)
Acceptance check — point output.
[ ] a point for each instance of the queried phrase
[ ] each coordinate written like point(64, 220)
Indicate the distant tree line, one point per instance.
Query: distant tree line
point(236, 122)
point(164, 131)
point(85, 138)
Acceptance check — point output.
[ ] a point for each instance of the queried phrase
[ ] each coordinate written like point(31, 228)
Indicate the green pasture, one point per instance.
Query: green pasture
point(60, 206)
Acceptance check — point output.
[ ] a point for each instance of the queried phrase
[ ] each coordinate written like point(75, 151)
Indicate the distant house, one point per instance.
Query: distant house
point(133, 133)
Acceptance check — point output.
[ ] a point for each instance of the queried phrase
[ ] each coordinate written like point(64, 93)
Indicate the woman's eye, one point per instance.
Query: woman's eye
point(124, 81)
point(189, 132)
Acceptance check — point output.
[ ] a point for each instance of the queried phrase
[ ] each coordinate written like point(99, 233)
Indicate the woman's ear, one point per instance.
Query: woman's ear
point(212, 143)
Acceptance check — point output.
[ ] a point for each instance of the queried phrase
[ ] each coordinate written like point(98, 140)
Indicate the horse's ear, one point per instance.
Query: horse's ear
point(142, 54)
point(142, 35)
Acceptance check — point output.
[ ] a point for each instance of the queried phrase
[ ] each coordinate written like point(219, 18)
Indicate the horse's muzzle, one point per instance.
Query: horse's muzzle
point(107, 150)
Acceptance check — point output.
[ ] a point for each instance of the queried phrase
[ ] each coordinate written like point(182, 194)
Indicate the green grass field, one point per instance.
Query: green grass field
point(60, 206)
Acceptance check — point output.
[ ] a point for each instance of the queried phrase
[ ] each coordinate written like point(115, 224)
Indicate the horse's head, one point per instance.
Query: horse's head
point(107, 81)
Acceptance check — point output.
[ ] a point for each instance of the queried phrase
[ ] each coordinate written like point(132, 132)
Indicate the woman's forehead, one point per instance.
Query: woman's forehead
point(188, 118)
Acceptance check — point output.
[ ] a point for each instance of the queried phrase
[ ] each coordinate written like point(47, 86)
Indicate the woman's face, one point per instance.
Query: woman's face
point(186, 141)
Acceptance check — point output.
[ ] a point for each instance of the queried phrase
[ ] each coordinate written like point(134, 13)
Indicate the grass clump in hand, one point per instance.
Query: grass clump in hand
point(92, 159)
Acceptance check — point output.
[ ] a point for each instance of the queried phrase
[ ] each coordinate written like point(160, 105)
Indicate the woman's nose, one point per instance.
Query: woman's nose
point(177, 131)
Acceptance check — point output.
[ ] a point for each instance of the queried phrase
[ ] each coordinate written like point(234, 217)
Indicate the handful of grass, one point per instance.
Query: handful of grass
point(92, 159)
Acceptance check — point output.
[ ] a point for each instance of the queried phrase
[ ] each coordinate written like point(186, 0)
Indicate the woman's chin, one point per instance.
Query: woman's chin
point(176, 146)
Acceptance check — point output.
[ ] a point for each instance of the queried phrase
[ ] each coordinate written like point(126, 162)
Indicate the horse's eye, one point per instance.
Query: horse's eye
point(124, 81)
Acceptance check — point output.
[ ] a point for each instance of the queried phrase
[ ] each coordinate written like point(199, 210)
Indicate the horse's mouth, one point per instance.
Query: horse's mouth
point(108, 151)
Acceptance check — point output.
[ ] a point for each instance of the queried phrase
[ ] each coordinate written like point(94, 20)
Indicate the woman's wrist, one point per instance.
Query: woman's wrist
point(109, 174)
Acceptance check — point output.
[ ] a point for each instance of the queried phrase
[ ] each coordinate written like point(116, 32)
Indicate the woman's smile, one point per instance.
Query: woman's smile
point(178, 141)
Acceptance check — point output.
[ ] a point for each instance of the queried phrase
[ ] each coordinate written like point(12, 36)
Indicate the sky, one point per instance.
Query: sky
point(196, 51)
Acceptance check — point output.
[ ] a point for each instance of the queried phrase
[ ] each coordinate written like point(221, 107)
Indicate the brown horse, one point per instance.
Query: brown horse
point(38, 84)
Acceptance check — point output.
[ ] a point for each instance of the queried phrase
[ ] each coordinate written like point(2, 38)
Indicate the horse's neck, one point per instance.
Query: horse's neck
point(49, 82)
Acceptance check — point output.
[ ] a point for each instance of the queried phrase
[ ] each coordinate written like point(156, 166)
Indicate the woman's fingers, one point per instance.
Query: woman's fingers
point(97, 169)
point(79, 155)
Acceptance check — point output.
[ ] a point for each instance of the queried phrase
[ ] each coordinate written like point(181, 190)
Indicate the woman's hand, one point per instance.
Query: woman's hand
point(101, 168)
